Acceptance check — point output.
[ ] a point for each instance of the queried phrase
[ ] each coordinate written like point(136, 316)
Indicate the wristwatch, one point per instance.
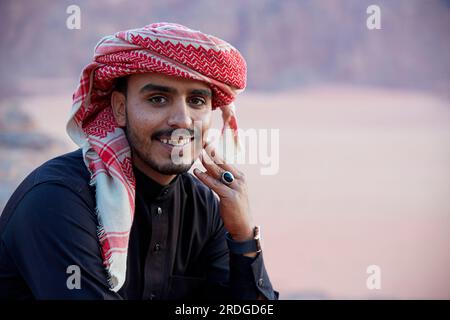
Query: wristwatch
point(241, 247)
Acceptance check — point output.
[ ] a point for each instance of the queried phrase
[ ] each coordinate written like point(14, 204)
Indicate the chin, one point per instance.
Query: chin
point(174, 169)
point(168, 167)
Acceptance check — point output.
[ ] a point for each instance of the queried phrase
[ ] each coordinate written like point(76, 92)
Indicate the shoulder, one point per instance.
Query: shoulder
point(50, 214)
point(61, 183)
point(68, 169)
point(55, 195)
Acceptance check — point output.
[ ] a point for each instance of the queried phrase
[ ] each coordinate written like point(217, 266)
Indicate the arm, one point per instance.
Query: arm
point(51, 229)
point(234, 276)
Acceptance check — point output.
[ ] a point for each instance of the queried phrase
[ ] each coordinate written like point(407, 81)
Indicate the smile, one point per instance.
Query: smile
point(176, 143)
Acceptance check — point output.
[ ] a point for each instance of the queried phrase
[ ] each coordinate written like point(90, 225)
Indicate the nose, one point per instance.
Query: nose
point(180, 116)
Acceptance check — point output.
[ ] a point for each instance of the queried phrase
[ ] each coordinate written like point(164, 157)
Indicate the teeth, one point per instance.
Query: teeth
point(174, 142)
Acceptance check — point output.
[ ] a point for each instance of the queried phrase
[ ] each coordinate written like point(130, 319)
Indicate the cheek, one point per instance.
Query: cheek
point(201, 124)
point(142, 121)
point(205, 123)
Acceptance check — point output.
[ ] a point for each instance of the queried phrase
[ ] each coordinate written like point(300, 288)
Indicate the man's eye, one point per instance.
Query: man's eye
point(196, 101)
point(157, 99)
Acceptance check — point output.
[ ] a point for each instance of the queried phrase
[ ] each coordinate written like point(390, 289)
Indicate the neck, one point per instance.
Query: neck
point(160, 178)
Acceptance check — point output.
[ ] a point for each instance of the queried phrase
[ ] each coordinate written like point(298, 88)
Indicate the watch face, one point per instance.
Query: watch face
point(257, 233)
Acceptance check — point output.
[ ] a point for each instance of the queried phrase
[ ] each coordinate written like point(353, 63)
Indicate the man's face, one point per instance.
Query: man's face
point(159, 115)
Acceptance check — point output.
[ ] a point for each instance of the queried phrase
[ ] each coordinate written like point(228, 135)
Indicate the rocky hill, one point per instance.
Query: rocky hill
point(287, 43)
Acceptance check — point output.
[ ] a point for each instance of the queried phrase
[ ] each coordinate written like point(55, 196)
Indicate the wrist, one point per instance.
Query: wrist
point(242, 236)
point(251, 254)
point(249, 246)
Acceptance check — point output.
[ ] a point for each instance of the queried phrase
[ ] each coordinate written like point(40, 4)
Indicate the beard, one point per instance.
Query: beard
point(139, 148)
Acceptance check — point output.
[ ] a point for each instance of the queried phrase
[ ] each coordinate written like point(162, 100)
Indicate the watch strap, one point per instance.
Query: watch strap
point(241, 247)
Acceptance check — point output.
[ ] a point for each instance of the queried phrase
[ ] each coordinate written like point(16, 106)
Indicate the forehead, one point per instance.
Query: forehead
point(137, 81)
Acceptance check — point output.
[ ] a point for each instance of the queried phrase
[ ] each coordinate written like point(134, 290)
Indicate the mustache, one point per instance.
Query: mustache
point(170, 132)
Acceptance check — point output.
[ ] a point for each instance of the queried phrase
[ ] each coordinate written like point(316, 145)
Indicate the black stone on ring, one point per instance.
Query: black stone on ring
point(227, 177)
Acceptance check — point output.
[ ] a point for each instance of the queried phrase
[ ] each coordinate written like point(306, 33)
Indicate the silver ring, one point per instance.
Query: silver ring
point(227, 177)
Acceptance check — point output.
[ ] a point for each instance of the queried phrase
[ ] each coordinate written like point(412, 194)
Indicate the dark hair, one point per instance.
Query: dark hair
point(121, 85)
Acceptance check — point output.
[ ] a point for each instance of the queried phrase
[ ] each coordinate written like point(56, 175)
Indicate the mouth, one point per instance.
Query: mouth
point(180, 142)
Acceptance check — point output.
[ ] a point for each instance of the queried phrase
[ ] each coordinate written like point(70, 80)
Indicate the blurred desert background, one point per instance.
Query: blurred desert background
point(364, 120)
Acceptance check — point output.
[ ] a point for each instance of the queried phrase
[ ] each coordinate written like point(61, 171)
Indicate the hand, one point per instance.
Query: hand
point(234, 205)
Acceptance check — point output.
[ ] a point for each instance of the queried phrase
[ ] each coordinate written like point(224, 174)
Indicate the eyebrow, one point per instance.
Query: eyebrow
point(154, 87)
point(204, 92)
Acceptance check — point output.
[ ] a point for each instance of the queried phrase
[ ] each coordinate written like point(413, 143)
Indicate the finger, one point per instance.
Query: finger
point(215, 171)
point(220, 162)
point(210, 165)
point(217, 186)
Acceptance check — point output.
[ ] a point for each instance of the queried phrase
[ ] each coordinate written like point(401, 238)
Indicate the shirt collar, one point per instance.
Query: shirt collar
point(150, 188)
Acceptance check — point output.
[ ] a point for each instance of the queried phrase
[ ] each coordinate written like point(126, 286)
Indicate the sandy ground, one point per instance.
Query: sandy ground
point(364, 179)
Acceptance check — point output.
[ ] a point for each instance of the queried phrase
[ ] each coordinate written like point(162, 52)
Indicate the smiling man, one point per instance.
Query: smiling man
point(121, 217)
point(158, 113)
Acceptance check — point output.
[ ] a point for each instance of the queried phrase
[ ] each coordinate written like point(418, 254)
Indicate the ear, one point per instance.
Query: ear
point(118, 105)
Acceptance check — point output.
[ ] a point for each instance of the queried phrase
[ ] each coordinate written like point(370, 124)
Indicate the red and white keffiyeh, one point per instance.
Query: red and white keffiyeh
point(166, 48)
